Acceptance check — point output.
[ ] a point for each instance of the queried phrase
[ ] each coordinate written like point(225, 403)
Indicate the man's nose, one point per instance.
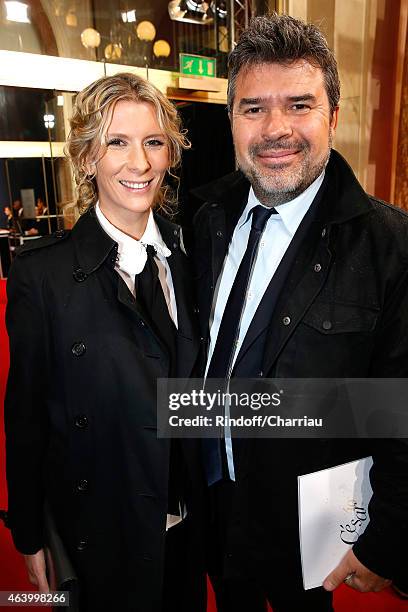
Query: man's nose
point(276, 124)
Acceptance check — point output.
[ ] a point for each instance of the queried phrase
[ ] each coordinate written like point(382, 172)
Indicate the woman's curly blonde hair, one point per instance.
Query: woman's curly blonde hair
point(90, 121)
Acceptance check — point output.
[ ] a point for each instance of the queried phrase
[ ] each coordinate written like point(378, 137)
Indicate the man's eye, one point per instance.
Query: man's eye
point(253, 110)
point(300, 107)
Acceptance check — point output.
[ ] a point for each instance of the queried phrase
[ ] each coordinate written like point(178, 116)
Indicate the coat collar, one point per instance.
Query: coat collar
point(345, 199)
point(93, 246)
point(339, 199)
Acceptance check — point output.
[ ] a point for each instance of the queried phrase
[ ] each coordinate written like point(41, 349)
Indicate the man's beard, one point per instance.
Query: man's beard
point(279, 185)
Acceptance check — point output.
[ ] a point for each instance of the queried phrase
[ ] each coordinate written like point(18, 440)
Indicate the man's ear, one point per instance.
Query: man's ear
point(334, 119)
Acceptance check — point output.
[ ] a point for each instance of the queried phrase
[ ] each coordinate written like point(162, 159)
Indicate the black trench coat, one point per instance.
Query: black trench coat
point(341, 313)
point(81, 412)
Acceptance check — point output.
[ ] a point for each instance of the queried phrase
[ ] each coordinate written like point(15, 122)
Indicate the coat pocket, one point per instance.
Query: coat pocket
point(341, 318)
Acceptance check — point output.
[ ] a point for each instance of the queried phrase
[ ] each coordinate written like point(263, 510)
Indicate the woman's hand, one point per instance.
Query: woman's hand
point(36, 571)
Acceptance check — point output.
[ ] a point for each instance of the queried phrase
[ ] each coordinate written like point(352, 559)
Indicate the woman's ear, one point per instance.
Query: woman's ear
point(90, 168)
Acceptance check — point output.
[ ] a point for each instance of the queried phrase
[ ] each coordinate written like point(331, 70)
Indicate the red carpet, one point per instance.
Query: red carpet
point(12, 571)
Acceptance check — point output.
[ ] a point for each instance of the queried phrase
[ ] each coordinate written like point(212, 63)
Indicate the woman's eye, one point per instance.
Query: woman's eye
point(154, 142)
point(116, 142)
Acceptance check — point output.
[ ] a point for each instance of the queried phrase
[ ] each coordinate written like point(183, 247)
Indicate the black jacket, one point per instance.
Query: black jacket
point(342, 312)
point(80, 411)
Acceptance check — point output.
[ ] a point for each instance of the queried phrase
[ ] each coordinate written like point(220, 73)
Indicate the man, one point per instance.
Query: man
point(18, 208)
point(302, 275)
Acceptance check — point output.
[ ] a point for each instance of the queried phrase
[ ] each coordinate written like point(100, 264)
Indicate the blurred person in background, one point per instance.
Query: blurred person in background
point(6, 218)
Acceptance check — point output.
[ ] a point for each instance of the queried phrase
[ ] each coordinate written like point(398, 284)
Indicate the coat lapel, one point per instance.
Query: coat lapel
point(314, 258)
point(219, 242)
point(93, 247)
point(224, 212)
point(293, 255)
point(304, 282)
point(187, 337)
point(127, 298)
point(343, 200)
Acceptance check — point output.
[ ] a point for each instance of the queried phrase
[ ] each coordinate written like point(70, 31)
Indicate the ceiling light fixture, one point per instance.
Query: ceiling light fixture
point(220, 7)
point(190, 11)
point(128, 16)
point(71, 19)
point(161, 48)
point(17, 11)
point(146, 31)
point(49, 121)
point(90, 38)
point(113, 51)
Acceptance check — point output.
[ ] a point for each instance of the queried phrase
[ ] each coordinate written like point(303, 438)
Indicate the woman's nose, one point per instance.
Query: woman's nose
point(137, 160)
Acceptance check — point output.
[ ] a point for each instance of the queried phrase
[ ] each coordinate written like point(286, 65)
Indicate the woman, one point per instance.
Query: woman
point(95, 316)
point(7, 221)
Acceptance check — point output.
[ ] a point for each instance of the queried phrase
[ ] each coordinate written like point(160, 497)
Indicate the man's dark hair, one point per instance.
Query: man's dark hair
point(282, 39)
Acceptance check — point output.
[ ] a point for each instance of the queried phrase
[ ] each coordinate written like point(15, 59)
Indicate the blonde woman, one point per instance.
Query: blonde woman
point(95, 316)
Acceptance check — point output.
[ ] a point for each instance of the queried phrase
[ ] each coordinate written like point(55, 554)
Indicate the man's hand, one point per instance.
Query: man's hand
point(362, 578)
point(36, 571)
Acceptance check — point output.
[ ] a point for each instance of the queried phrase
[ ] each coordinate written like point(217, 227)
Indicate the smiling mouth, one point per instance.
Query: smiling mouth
point(135, 185)
point(277, 154)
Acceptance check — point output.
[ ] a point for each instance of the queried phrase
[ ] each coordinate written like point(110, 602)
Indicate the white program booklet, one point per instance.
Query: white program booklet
point(333, 512)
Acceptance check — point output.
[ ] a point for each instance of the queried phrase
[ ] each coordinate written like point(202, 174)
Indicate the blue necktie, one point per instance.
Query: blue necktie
point(223, 354)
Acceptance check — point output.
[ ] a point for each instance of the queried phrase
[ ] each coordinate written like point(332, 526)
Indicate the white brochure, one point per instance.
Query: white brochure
point(333, 512)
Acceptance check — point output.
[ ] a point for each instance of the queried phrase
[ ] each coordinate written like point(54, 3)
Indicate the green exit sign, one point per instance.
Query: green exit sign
point(198, 65)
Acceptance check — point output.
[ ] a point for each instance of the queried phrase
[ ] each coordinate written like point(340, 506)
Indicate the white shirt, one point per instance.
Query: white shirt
point(132, 257)
point(275, 239)
point(131, 260)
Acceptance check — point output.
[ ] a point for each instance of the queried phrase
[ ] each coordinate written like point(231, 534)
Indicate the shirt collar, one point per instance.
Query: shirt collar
point(152, 236)
point(131, 252)
point(291, 213)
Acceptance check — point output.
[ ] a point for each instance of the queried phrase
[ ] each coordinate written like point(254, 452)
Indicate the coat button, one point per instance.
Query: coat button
point(327, 325)
point(82, 544)
point(317, 268)
point(219, 234)
point(175, 232)
point(286, 320)
point(214, 205)
point(142, 323)
point(82, 485)
point(175, 245)
point(60, 233)
point(81, 421)
point(78, 349)
point(79, 275)
point(260, 374)
point(324, 232)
